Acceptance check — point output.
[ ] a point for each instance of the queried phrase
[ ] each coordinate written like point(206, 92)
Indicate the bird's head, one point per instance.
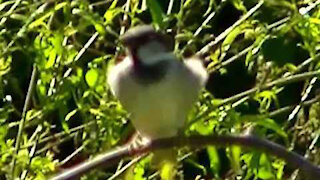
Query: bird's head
point(144, 43)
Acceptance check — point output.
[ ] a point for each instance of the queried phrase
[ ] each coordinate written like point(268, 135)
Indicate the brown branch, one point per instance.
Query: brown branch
point(293, 159)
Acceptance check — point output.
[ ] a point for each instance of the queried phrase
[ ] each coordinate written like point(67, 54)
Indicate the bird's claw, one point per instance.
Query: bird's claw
point(138, 143)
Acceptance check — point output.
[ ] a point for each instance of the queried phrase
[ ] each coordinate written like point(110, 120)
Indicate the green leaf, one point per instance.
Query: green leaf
point(63, 110)
point(111, 13)
point(96, 112)
point(214, 160)
point(238, 4)
point(41, 21)
point(187, 4)
point(42, 89)
point(265, 169)
point(137, 172)
point(65, 126)
point(92, 77)
point(254, 161)
point(235, 152)
point(231, 38)
point(5, 65)
point(51, 59)
point(60, 5)
point(18, 17)
point(70, 114)
point(100, 28)
point(271, 124)
point(265, 122)
point(279, 165)
point(202, 128)
point(156, 13)
point(167, 171)
point(114, 4)
point(57, 41)
point(3, 133)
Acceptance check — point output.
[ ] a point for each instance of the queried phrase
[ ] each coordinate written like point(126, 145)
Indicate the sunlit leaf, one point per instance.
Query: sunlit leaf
point(167, 171)
point(70, 114)
point(5, 65)
point(231, 38)
point(235, 152)
point(238, 4)
point(92, 77)
point(57, 43)
point(265, 122)
point(315, 20)
point(51, 60)
point(99, 28)
point(265, 169)
point(214, 159)
point(41, 20)
point(111, 14)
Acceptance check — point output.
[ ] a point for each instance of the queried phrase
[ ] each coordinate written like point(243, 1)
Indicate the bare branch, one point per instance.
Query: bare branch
point(293, 159)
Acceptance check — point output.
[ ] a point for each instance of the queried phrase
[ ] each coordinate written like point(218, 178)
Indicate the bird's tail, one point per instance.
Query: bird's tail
point(165, 160)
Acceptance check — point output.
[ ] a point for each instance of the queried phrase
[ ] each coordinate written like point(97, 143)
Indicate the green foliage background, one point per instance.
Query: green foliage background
point(70, 44)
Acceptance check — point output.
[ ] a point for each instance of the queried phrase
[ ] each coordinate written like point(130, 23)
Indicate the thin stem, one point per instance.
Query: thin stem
point(303, 98)
point(278, 23)
point(57, 136)
point(86, 46)
point(232, 59)
point(125, 17)
point(99, 3)
point(74, 153)
point(304, 11)
point(124, 168)
point(82, 51)
point(32, 153)
point(279, 82)
point(289, 108)
point(170, 7)
point(54, 144)
point(23, 119)
point(206, 48)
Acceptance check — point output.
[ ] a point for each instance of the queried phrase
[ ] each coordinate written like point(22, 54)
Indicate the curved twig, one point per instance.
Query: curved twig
point(293, 159)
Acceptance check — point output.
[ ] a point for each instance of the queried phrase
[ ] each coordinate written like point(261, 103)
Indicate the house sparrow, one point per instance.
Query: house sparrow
point(153, 86)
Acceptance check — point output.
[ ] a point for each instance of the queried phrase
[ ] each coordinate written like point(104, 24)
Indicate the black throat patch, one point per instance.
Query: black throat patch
point(149, 74)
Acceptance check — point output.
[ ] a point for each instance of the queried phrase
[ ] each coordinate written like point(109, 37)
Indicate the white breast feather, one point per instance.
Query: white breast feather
point(160, 109)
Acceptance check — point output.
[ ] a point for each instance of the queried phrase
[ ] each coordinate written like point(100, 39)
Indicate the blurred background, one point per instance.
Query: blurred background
point(56, 109)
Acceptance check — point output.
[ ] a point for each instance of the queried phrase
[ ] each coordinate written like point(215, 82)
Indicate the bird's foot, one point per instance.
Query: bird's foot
point(138, 142)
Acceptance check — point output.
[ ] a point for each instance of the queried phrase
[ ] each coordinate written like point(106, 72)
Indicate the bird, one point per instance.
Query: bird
point(156, 88)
